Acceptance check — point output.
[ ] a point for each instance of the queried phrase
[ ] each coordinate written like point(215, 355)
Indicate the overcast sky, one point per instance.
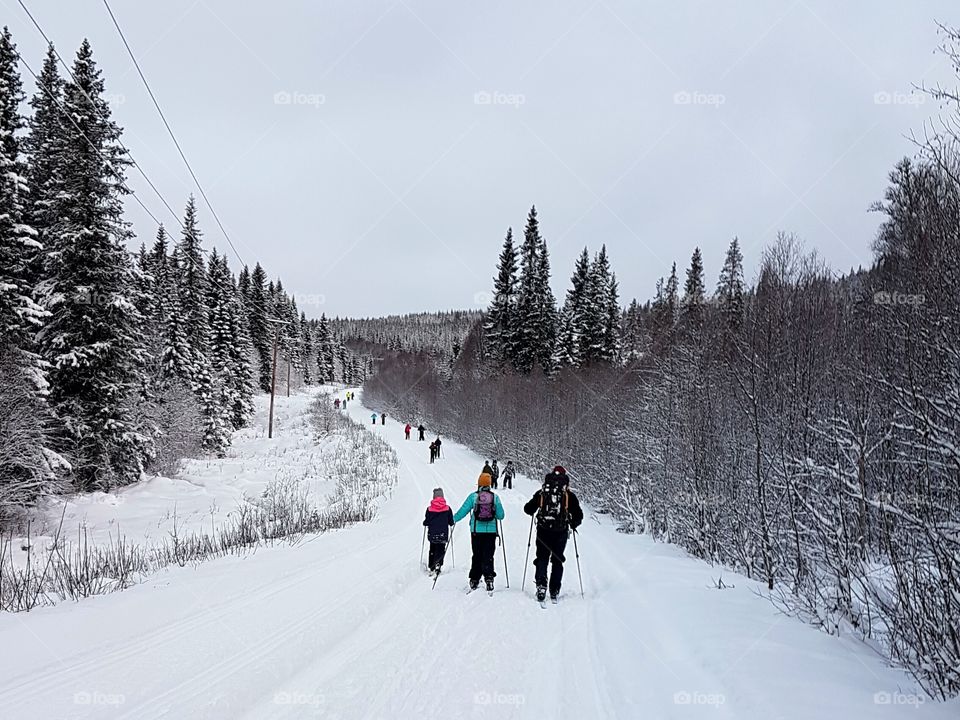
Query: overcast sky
point(372, 154)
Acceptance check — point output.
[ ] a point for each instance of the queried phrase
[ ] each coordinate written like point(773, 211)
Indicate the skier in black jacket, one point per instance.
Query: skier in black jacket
point(558, 512)
point(438, 521)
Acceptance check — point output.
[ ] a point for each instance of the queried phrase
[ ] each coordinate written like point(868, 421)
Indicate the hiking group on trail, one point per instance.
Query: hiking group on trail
point(554, 508)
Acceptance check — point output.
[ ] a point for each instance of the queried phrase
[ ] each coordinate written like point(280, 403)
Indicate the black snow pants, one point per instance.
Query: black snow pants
point(551, 545)
point(437, 553)
point(484, 545)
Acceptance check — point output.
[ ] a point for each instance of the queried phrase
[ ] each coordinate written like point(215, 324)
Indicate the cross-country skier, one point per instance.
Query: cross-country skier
point(433, 451)
point(406, 431)
point(374, 418)
point(383, 418)
point(486, 510)
point(487, 470)
point(423, 431)
point(508, 472)
point(438, 443)
point(336, 403)
point(438, 521)
point(558, 512)
point(495, 474)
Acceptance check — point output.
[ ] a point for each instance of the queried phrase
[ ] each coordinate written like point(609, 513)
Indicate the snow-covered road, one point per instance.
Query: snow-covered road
point(346, 626)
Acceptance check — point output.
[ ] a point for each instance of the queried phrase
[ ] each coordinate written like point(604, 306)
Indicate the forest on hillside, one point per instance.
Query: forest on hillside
point(803, 428)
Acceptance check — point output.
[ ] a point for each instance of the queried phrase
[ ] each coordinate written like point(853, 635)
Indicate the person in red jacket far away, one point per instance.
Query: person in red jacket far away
point(406, 430)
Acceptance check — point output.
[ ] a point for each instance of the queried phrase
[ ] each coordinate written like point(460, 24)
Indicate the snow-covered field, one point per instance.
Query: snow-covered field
point(204, 492)
point(345, 625)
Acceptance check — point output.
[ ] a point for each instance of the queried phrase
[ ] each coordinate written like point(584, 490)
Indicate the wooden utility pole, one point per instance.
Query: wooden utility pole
point(273, 382)
point(273, 373)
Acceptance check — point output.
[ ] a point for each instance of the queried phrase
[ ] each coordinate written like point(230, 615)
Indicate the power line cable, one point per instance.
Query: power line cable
point(173, 137)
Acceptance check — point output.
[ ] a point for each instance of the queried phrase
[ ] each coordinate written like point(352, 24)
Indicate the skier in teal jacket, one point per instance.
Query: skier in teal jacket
point(485, 510)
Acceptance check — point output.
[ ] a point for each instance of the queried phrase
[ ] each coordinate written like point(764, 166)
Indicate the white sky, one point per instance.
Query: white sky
point(386, 184)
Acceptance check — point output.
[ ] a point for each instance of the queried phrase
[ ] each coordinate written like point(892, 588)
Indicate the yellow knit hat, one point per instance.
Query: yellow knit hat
point(485, 480)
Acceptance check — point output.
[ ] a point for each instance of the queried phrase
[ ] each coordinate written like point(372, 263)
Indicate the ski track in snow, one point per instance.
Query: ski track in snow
point(345, 625)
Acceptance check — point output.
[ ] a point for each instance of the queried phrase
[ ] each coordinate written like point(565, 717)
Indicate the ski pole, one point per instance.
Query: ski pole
point(453, 555)
point(503, 546)
point(422, 543)
point(526, 560)
point(577, 553)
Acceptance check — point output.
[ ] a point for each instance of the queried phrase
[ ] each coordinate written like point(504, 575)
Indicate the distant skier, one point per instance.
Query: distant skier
point(495, 474)
point(487, 470)
point(374, 418)
point(508, 472)
point(486, 510)
point(336, 403)
point(438, 521)
point(437, 441)
point(423, 431)
point(433, 452)
point(406, 431)
point(383, 418)
point(558, 512)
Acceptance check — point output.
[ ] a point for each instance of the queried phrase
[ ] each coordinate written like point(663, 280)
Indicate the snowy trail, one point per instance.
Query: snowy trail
point(346, 626)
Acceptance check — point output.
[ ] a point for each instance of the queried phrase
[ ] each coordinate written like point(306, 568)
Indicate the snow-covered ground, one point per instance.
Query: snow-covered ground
point(204, 492)
point(346, 625)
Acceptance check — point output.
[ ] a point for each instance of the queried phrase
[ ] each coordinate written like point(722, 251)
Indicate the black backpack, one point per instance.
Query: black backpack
point(554, 503)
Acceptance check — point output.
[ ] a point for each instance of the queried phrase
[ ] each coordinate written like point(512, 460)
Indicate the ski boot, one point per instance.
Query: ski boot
point(489, 586)
point(541, 593)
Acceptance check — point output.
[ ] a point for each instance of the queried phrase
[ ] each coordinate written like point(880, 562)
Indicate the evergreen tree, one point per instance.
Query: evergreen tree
point(500, 320)
point(261, 334)
point(730, 288)
point(575, 321)
point(306, 350)
point(536, 318)
point(41, 145)
point(326, 369)
point(192, 273)
point(28, 467)
point(92, 336)
point(694, 294)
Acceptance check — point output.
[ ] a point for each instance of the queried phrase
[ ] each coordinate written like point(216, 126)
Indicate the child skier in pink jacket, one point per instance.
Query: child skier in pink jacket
point(438, 521)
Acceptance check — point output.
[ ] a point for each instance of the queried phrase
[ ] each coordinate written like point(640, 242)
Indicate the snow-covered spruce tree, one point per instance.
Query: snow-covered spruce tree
point(229, 343)
point(600, 335)
point(261, 334)
point(40, 146)
point(500, 322)
point(28, 467)
point(92, 337)
point(192, 281)
point(305, 354)
point(536, 306)
point(694, 293)
point(326, 368)
point(731, 289)
point(575, 322)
